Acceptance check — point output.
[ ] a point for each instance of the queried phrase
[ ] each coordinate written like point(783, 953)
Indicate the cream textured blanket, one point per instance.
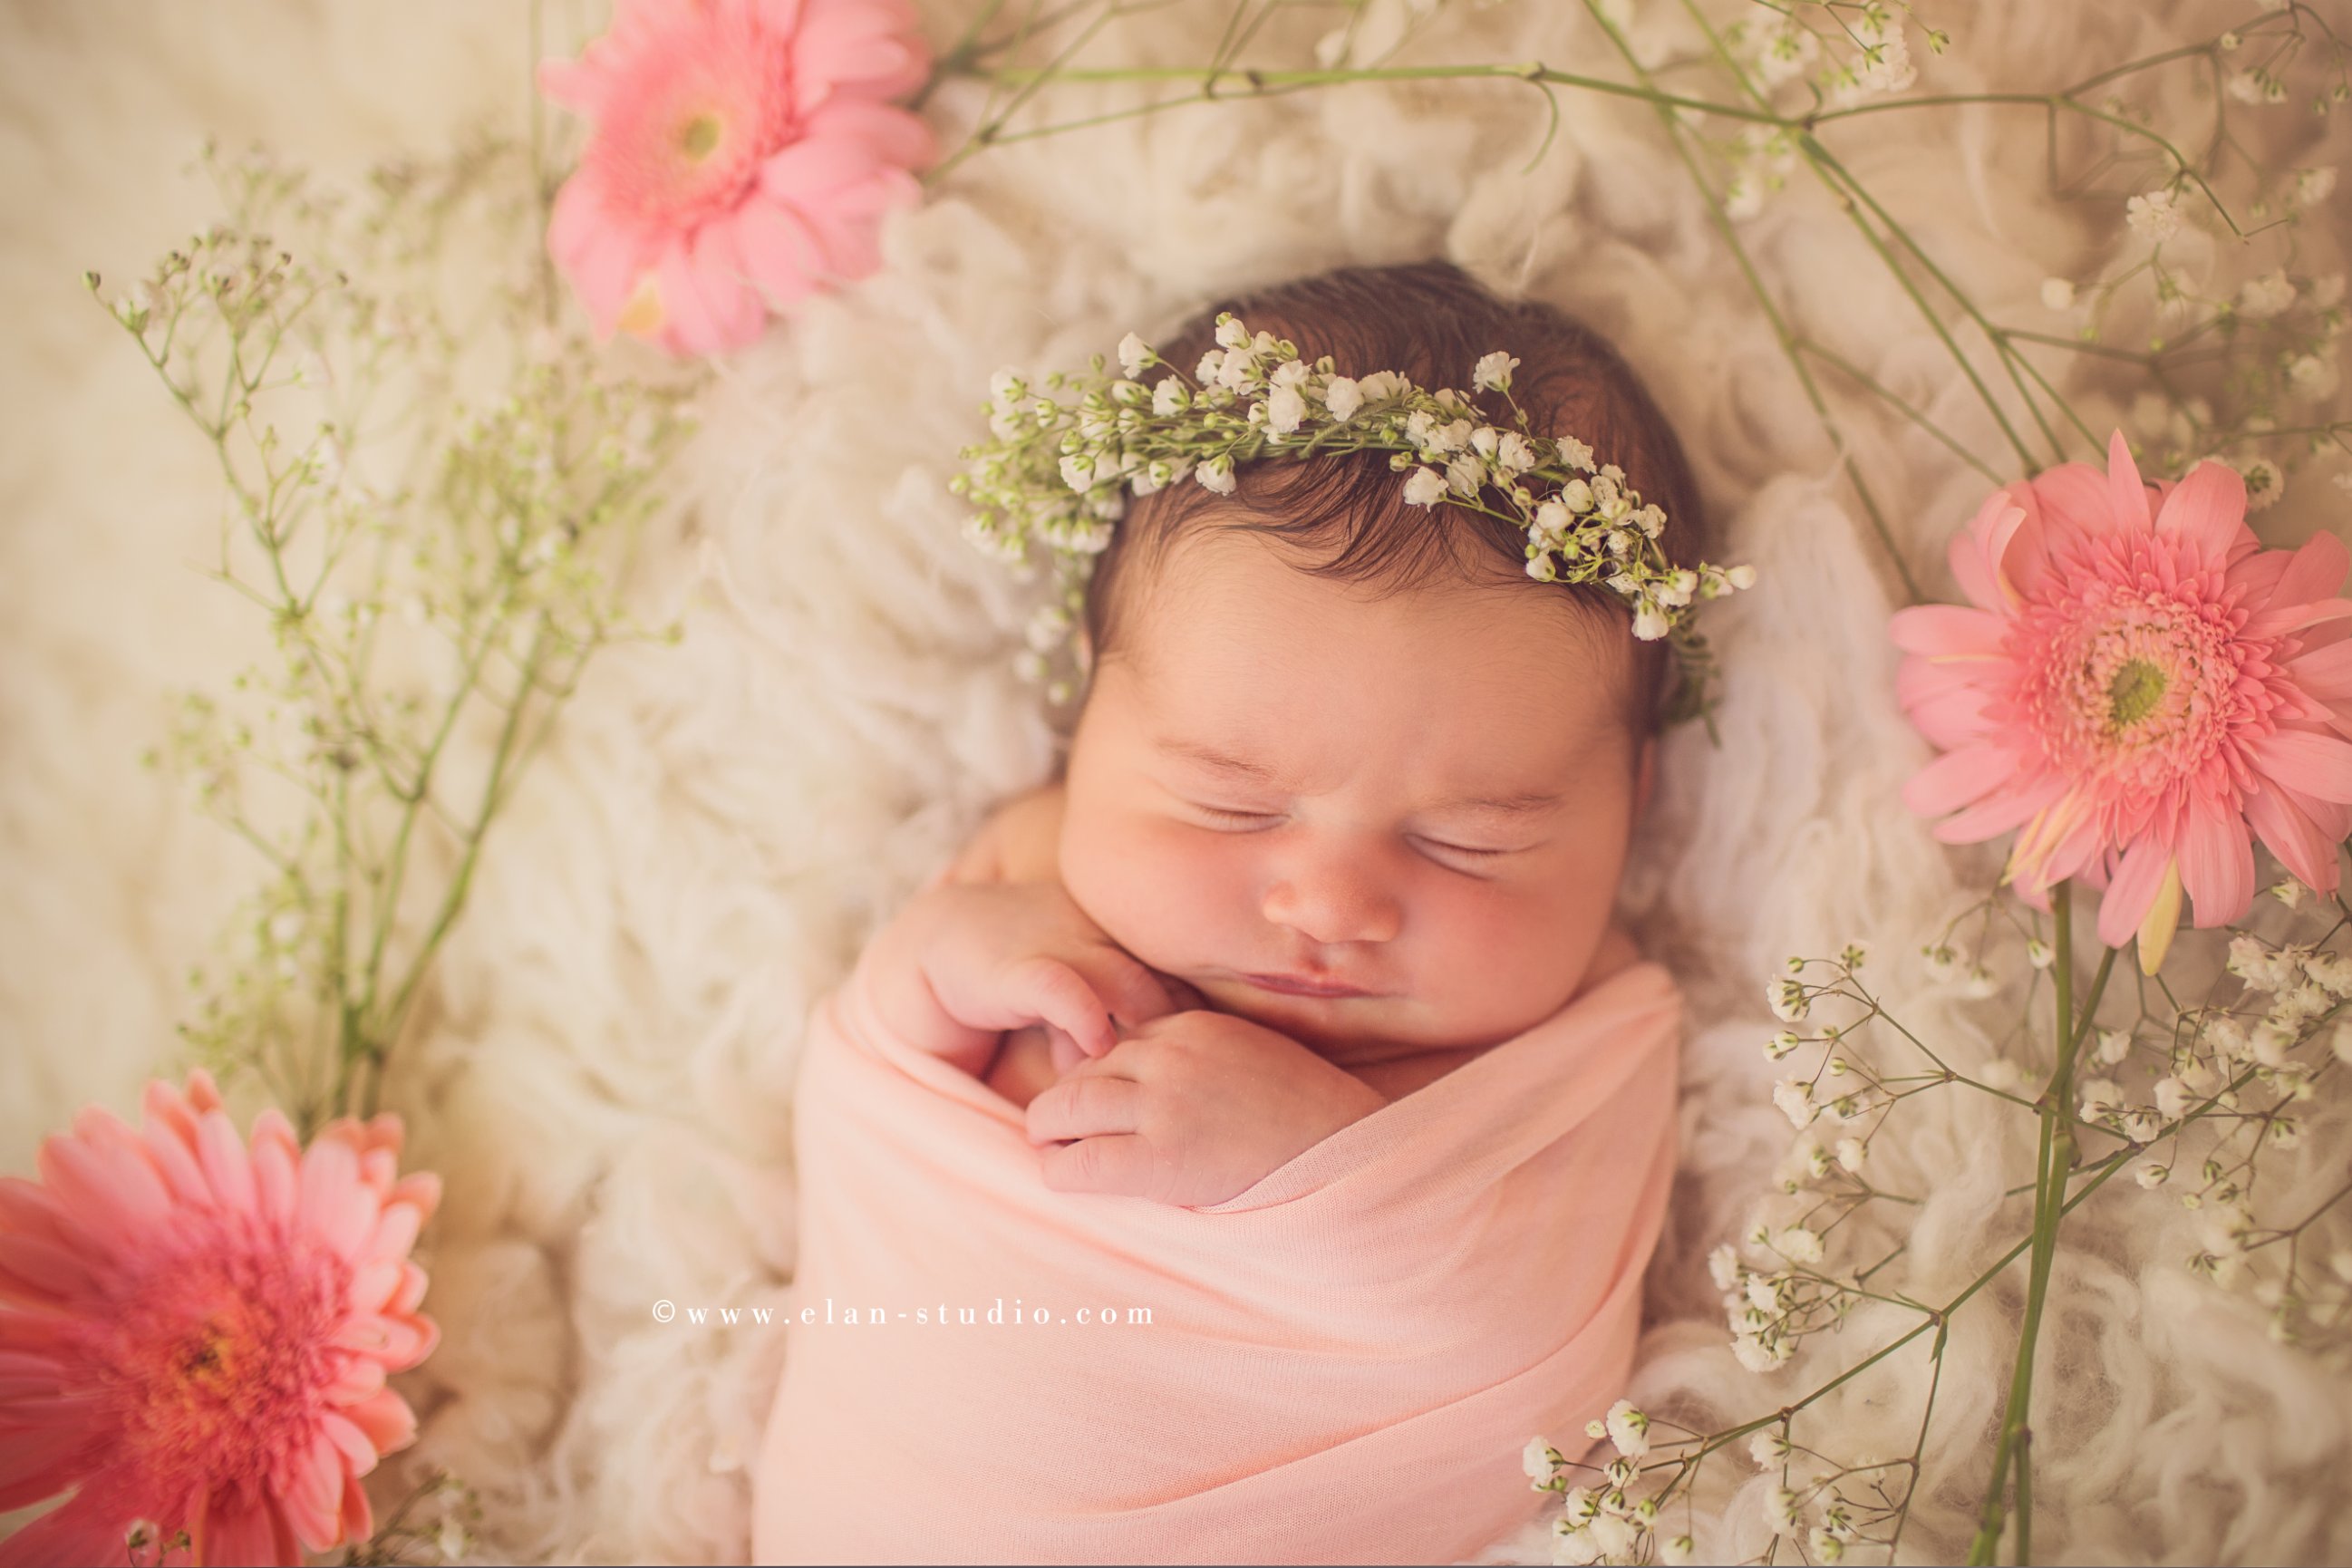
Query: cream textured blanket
point(1335, 1366)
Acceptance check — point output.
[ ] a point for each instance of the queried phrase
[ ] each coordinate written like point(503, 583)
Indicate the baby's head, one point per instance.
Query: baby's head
point(1342, 764)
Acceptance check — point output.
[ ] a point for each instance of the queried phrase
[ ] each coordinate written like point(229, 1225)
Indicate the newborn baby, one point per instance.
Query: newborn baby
point(1345, 810)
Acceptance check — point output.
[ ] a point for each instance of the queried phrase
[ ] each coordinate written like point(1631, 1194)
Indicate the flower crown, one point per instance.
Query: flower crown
point(1057, 475)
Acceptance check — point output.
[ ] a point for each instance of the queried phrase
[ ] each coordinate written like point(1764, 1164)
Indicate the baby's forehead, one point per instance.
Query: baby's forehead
point(1489, 666)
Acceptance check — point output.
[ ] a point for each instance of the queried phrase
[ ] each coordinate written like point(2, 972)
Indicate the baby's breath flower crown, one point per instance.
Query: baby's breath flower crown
point(1058, 474)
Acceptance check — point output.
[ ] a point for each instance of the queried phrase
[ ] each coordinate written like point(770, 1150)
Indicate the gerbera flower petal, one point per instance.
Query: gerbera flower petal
point(193, 1357)
point(2139, 877)
point(2164, 692)
point(703, 113)
point(2217, 866)
point(2316, 570)
point(2317, 764)
point(2126, 494)
point(79, 1531)
point(2326, 674)
point(1956, 779)
point(1998, 812)
point(1947, 707)
point(2073, 497)
point(1947, 631)
point(2206, 511)
point(2288, 619)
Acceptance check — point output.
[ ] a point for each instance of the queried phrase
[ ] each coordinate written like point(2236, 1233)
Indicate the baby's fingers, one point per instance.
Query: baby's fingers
point(1120, 1162)
point(1086, 1106)
point(1049, 991)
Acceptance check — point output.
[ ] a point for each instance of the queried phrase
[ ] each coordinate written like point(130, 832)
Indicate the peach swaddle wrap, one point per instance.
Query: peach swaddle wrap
point(1340, 1365)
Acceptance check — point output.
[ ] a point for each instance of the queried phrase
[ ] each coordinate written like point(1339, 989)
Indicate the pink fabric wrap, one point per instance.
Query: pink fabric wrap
point(1342, 1365)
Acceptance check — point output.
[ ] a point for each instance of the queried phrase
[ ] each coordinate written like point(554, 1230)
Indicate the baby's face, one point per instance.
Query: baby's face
point(1375, 825)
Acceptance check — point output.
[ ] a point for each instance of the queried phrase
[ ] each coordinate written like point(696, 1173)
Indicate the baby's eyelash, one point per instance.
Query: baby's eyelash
point(1464, 849)
point(1234, 818)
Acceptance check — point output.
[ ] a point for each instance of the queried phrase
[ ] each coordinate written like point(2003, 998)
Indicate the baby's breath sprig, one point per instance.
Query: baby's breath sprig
point(1056, 475)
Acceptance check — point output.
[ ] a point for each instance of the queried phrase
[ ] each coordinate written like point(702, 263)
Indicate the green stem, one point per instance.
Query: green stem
point(2056, 1165)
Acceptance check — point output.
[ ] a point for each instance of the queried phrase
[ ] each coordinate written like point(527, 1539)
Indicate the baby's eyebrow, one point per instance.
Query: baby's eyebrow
point(1527, 802)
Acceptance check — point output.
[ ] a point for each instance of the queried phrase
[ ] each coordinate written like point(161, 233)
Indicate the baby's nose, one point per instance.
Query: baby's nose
point(1334, 898)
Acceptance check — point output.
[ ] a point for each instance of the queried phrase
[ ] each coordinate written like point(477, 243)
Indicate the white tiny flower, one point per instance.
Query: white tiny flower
point(2267, 296)
point(1629, 1430)
point(1342, 396)
point(2150, 1174)
point(1216, 475)
point(1133, 355)
point(1677, 1551)
point(1826, 1548)
point(2291, 892)
point(2173, 1098)
point(1078, 470)
point(1764, 1294)
point(1650, 623)
point(2227, 1036)
point(2114, 1046)
point(1465, 475)
point(1780, 1511)
point(1291, 373)
point(2330, 972)
point(1614, 1536)
point(1576, 454)
point(2155, 216)
point(1980, 983)
point(1794, 1095)
point(2038, 953)
point(1752, 1353)
point(2308, 376)
point(1514, 453)
point(1768, 1448)
point(1573, 1546)
point(1723, 1265)
point(1494, 372)
point(1537, 1458)
point(2314, 186)
point(2057, 294)
point(1425, 487)
point(1284, 409)
point(1232, 334)
point(1850, 1152)
point(1798, 1245)
point(2101, 1097)
point(2269, 1043)
point(1540, 568)
point(1787, 999)
point(2246, 87)
point(1005, 389)
point(2000, 1073)
point(1170, 396)
point(1741, 576)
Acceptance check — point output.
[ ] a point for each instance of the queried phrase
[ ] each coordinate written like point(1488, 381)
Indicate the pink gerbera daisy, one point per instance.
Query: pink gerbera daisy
point(194, 1332)
point(2142, 690)
point(742, 155)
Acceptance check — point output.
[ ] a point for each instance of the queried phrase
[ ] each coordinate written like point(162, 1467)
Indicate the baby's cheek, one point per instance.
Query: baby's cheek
point(1146, 883)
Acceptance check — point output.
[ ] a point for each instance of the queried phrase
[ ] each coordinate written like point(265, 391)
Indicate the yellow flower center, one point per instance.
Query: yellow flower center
point(2134, 693)
point(701, 137)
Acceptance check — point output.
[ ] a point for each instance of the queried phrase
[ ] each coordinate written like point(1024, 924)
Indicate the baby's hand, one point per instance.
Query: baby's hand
point(964, 963)
point(1191, 1109)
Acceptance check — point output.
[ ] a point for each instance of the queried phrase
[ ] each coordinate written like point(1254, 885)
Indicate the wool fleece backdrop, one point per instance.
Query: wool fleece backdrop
point(1879, 264)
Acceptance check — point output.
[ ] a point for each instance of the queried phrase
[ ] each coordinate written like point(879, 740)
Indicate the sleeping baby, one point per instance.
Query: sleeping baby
point(1254, 1136)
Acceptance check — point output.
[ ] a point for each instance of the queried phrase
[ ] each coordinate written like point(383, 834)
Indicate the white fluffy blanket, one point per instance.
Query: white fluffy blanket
point(718, 825)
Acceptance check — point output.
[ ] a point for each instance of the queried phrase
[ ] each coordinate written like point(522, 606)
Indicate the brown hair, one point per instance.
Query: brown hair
point(1345, 513)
